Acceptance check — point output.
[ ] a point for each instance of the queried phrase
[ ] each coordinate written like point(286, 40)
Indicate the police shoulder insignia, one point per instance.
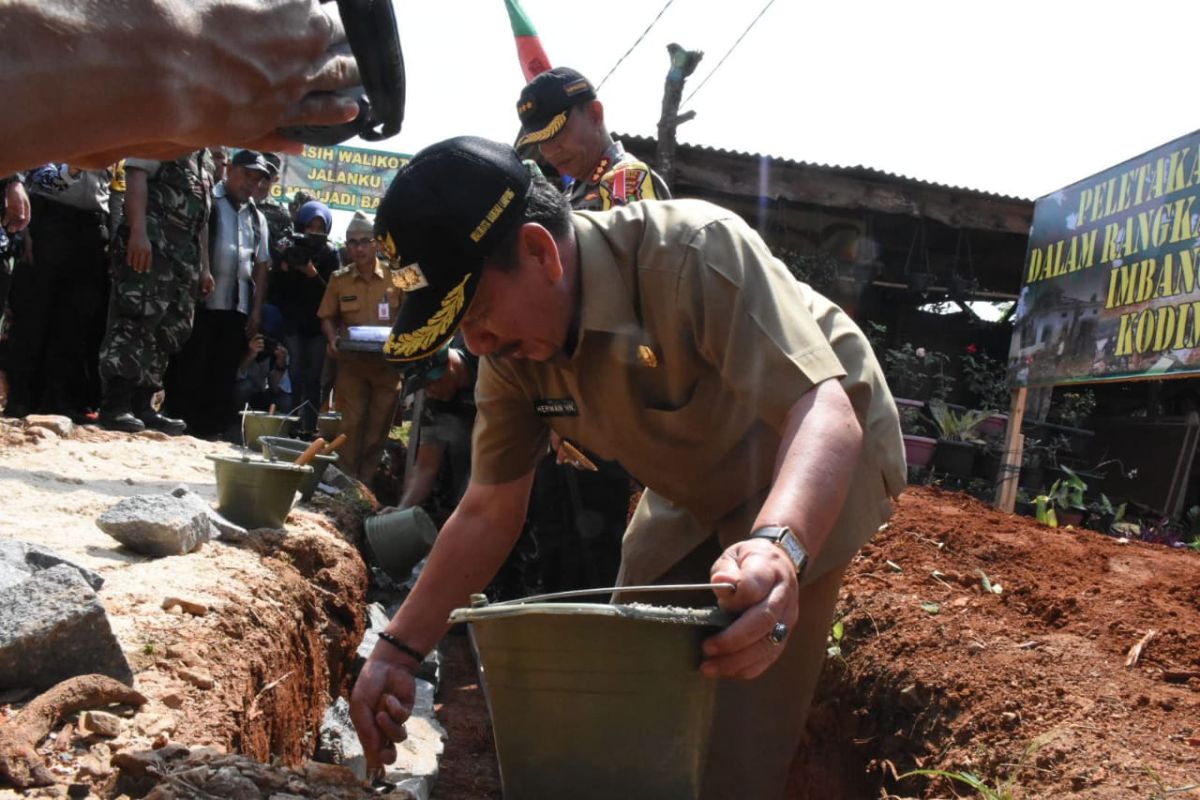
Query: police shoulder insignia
point(627, 184)
point(428, 335)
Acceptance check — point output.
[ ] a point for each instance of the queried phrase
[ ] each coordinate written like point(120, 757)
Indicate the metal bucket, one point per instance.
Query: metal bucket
point(260, 423)
point(256, 493)
point(329, 425)
point(279, 448)
point(594, 702)
point(400, 539)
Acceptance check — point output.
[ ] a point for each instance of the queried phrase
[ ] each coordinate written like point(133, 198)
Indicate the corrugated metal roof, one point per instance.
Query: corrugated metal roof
point(855, 171)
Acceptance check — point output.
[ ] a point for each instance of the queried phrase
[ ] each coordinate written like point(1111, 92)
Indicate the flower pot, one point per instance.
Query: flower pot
point(1032, 477)
point(400, 539)
point(905, 402)
point(987, 465)
point(918, 450)
point(260, 423)
point(256, 493)
point(954, 458)
point(994, 425)
point(1068, 516)
point(278, 448)
point(329, 425)
point(594, 702)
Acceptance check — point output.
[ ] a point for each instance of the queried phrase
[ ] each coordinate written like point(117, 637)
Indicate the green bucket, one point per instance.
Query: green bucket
point(279, 448)
point(260, 423)
point(594, 702)
point(256, 493)
point(329, 425)
point(400, 539)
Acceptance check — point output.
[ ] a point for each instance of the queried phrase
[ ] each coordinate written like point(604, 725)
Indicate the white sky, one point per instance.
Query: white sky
point(1015, 97)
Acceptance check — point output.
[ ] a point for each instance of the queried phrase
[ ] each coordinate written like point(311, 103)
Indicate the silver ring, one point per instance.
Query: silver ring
point(778, 634)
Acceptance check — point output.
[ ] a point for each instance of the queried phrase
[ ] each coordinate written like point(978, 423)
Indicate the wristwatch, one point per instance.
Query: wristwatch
point(786, 541)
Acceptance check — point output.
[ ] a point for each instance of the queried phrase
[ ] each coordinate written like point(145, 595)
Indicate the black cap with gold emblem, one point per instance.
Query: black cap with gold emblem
point(443, 214)
point(545, 101)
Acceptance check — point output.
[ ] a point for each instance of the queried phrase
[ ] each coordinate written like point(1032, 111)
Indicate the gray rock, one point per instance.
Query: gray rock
point(27, 558)
point(225, 528)
point(418, 756)
point(51, 422)
point(338, 743)
point(52, 627)
point(157, 524)
point(338, 480)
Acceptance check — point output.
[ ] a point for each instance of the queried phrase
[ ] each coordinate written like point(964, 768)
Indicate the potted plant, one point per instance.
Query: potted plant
point(1072, 408)
point(918, 448)
point(956, 444)
point(1102, 515)
point(1063, 504)
point(986, 378)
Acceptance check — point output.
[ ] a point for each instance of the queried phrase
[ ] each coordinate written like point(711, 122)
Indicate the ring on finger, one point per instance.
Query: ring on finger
point(778, 634)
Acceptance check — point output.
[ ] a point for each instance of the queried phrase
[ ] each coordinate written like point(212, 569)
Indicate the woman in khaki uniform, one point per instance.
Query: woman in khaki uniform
point(367, 389)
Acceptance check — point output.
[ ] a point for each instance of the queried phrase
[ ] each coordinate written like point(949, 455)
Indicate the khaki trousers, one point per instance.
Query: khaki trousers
point(366, 392)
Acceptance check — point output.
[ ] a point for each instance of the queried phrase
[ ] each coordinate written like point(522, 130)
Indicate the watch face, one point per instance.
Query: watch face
point(792, 547)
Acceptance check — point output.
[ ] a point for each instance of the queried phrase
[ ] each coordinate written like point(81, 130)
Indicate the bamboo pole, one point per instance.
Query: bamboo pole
point(1014, 446)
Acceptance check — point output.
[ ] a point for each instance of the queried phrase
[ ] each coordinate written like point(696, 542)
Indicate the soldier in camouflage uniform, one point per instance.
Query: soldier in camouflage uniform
point(159, 267)
point(279, 218)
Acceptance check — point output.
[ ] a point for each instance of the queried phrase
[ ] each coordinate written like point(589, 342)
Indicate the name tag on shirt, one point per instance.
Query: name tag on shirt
point(556, 407)
point(384, 311)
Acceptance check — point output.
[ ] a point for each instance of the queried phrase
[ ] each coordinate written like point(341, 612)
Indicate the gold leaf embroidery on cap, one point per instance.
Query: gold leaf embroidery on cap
point(548, 132)
point(426, 336)
point(646, 356)
point(387, 246)
point(409, 277)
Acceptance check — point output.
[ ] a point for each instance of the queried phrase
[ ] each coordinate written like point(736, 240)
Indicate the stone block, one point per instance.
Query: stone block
point(157, 525)
point(62, 426)
point(52, 627)
point(27, 558)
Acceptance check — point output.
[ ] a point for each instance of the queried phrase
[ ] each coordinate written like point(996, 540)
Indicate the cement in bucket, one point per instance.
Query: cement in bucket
point(260, 423)
point(256, 493)
point(595, 702)
point(279, 448)
point(400, 539)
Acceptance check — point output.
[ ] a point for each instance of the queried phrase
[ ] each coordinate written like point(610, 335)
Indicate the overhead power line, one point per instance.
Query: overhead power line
point(636, 43)
point(733, 47)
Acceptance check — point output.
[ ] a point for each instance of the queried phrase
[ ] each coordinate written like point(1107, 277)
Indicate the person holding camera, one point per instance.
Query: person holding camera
point(302, 274)
point(262, 377)
point(366, 390)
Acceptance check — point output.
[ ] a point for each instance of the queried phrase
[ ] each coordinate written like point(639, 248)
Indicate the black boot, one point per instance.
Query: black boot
point(116, 405)
point(151, 418)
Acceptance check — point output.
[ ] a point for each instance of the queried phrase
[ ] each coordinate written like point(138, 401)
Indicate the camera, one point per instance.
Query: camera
point(268, 350)
point(301, 248)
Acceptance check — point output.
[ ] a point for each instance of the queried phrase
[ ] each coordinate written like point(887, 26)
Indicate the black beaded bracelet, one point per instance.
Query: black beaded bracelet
point(402, 647)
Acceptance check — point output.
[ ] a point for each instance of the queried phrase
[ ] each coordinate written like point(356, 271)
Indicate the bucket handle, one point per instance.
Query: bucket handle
point(666, 587)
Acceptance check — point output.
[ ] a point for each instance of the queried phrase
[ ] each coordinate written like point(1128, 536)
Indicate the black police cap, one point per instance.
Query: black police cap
point(545, 101)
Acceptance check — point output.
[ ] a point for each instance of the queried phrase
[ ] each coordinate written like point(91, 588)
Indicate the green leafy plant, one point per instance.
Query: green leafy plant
point(1001, 790)
point(954, 426)
point(1065, 494)
point(912, 421)
point(818, 270)
point(836, 633)
point(986, 378)
point(1074, 407)
point(916, 372)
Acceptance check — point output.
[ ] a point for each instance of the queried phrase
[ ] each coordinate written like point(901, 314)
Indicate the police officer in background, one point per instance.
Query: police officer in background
point(160, 252)
point(560, 114)
point(366, 390)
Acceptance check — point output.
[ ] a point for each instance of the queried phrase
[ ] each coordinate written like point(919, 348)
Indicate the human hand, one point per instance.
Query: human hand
point(16, 207)
point(207, 284)
point(256, 345)
point(310, 270)
point(140, 254)
point(766, 592)
point(331, 347)
point(252, 323)
point(382, 701)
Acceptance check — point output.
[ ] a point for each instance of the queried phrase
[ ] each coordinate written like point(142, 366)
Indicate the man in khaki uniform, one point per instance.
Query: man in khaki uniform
point(664, 335)
point(366, 390)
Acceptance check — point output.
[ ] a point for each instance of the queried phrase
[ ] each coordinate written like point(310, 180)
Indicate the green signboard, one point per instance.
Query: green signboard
point(1111, 289)
point(347, 178)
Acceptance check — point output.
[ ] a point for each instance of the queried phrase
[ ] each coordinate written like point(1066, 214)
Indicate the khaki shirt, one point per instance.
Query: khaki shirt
point(350, 299)
point(695, 343)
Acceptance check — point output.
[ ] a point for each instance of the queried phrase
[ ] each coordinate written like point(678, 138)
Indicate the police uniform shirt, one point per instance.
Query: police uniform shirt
point(352, 300)
point(694, 344)
point(620, 178)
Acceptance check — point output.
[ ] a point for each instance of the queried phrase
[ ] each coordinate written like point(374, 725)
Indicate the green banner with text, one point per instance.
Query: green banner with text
point(1111, 289)
point(347, 178)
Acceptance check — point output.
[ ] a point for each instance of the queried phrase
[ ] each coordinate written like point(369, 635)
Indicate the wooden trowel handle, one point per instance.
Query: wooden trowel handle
point(311, 453)
point(335, 444)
